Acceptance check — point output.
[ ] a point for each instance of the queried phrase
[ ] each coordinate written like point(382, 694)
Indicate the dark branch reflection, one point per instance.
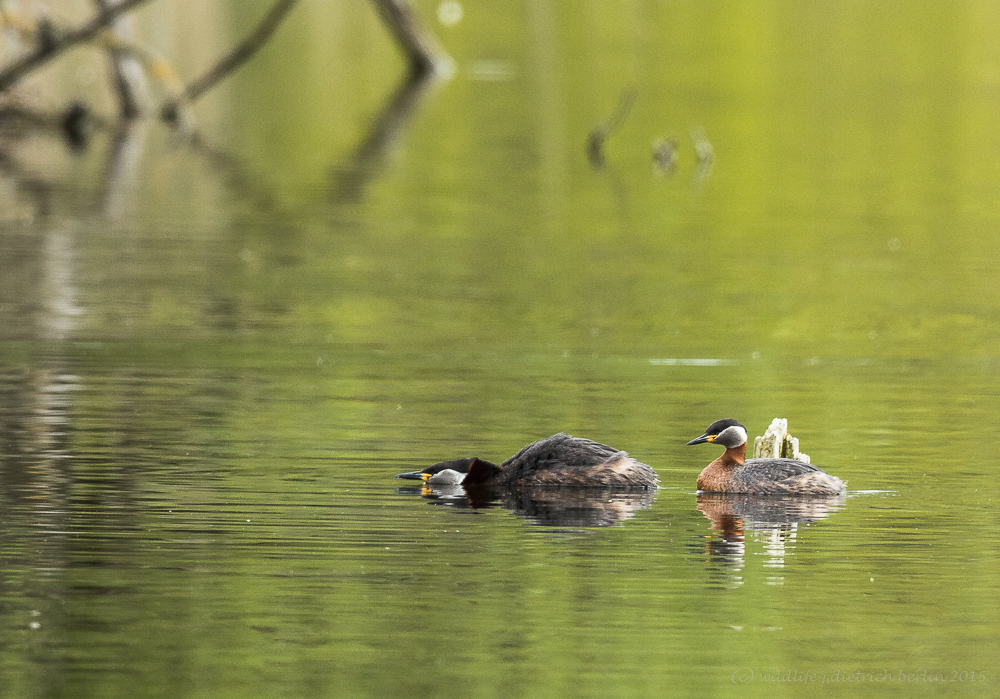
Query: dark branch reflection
point(351, 178)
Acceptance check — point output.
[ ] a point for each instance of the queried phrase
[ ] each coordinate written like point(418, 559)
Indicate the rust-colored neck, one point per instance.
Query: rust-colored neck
point(735, 455)
point(716, 475)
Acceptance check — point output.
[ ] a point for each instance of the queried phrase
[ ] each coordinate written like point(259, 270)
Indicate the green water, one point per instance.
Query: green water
point(211, 368)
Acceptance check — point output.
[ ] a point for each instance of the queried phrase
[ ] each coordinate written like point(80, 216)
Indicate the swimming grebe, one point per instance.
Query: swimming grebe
point(557, 460)
point(732, 473)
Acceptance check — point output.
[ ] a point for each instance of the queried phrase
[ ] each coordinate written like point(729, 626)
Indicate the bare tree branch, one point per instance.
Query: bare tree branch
point(230, 62)
point(46, 51)
point(425, 55)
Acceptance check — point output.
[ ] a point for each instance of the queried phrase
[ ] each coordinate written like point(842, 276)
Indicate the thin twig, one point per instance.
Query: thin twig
point(231, 61)
point(47, 51)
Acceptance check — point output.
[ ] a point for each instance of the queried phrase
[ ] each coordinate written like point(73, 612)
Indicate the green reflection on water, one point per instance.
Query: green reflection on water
point(205, 397)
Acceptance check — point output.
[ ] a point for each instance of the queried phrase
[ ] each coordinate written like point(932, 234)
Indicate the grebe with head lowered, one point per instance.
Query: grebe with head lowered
point(557, 460)
point(732, 473)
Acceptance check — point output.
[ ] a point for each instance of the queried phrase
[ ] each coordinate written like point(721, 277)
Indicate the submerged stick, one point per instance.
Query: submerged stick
point(47, 50)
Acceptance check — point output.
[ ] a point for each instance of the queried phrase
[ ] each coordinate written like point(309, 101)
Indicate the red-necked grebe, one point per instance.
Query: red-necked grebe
point(558, 460)
point(732, 473)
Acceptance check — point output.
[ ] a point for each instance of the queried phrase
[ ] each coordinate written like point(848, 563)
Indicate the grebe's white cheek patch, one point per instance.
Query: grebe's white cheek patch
point(446, 477)
point(732, 436)
point(743, 435)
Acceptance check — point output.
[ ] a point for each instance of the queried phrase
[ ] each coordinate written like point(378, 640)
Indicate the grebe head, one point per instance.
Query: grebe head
point(459, 471)
point(728, 433)
point(444, 472)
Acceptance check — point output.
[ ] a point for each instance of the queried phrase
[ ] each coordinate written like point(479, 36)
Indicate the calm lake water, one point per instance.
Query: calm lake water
point(214, 358)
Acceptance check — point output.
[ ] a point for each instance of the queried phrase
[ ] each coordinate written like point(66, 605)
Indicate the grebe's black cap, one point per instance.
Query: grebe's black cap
point(714, 429)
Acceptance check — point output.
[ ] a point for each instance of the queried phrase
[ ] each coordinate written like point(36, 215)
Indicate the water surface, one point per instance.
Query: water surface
point(211, 369)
